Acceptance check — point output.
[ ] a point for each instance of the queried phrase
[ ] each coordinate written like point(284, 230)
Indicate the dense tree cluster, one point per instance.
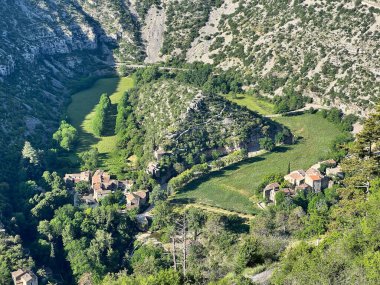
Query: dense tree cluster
point(12, 257)
point(66, 136)
point(186, 176)
point(336, 116)
point(291, 100)
point(129, 135)
point(100, 116)
point(95, 241)
point(90, 159)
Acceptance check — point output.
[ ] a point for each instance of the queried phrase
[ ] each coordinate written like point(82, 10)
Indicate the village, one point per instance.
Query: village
point(317, 178)
point(102, 185)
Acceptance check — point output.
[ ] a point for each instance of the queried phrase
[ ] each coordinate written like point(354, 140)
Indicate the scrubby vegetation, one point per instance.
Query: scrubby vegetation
point(184, 119)
point(178, 123)
point(183, 20)
point(283, 45)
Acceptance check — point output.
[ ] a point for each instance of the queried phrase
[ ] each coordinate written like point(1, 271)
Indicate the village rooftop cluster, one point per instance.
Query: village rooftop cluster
point(305, 181)
point(103, 185)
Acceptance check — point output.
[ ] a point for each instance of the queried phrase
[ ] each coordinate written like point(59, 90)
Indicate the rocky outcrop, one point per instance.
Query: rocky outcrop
point(153, 33)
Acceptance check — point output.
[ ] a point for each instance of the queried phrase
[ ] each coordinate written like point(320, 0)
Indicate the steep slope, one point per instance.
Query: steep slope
point(329, 50)
point(183, 121)
point(46, 46)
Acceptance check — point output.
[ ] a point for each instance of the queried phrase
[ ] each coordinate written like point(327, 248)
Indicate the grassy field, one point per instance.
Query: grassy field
point(81, 112)
point(233, 187)
point(253, 103)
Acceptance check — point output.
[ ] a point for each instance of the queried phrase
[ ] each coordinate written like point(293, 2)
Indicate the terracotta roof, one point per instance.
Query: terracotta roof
point(315, 177)
point(132, 198)
point(23, 275)
point(297, 175)
point(330, 161)
point(287, 191)
point(17, 273)
point(97, 178)
point(313, 171)
point(27, 277)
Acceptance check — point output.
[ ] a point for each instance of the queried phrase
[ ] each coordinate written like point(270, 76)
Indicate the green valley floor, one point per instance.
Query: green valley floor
point(233, 187)
point(81, 111)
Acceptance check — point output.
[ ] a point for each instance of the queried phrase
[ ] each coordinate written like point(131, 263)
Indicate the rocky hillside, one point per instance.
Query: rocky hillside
point(329, 50)
point(183, 122)
point(46, 44)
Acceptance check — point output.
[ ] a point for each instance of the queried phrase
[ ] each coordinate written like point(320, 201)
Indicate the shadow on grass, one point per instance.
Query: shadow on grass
point(110, 122)
point(85, 102)
point(181, 201)
point(85, 141)
point(282, 149)
point(236, 224)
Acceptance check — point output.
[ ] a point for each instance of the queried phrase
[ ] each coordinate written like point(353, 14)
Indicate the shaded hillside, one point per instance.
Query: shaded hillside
point(46, 48)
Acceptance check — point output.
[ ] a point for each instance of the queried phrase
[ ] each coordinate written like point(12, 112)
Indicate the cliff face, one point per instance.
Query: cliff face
point(45, 45)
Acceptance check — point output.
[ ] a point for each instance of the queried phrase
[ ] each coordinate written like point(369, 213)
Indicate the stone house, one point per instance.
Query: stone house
point(77, 177)
point(267, 190)
point(296, 178)
point(24, 277)
point(102, 184)
point(136, 199)
point(316, 180)
point(302, 188)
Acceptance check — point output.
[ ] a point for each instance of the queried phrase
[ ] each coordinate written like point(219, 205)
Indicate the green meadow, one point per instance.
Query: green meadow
point(252, 102)
point(82, 109)
point(233, 187)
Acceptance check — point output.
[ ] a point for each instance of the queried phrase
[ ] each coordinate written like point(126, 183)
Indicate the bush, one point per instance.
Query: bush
point(66, 136)
point(266, 143)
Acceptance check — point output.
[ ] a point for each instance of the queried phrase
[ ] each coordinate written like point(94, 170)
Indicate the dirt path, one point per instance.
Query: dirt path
point(263, 277)
point(135, 66)
point(219, 210)
point(306, 108)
